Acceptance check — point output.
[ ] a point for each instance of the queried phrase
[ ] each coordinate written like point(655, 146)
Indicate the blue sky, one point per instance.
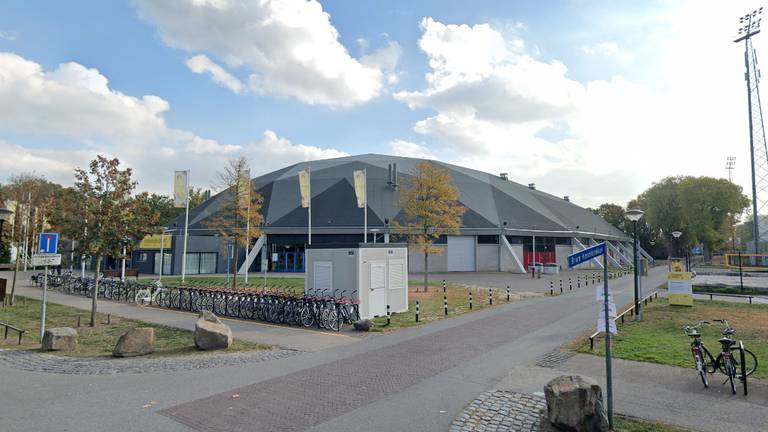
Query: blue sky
point(560, 93)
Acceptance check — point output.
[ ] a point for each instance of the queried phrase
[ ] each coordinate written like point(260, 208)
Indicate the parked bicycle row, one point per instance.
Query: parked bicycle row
point(327, 309)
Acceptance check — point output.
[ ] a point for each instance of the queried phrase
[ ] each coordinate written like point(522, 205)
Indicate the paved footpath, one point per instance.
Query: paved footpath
point(418, 379)
point(281, 336)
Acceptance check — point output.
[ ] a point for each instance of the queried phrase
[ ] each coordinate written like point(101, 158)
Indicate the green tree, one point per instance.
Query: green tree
point(700, 207)
point(429, 202)
point(163, 204)
point(239, 218)
point(613, 214)
point(102, 214)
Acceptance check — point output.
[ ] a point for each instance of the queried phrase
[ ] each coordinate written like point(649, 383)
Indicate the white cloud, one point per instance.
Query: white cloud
point(8, 35)
point(201, 64)
point(289, 47)
point(606, 48)
point(74, 108)
point(410, 149)
point(281, 151)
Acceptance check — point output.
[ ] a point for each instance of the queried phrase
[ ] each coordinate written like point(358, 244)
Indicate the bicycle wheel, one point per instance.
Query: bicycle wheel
point(307, 317)
point(701, 366)
point(334, 323)
point(730, 368)
point(749, 359)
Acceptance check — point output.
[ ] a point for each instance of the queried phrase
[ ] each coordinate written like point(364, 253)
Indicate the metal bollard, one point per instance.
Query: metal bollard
point(561, 285)
point(443, 286)
point(570, 285)
point(388, 315)
point(507, 293)
point(578, 282)
point(445, 305)
point(78, 320)
point(551, 292)
point(470, 300)
point(490, 297)
point(417, 311)
point(109, 319)
point(550, 286)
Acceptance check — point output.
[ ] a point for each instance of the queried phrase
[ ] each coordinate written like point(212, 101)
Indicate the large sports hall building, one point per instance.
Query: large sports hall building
point(504, 225)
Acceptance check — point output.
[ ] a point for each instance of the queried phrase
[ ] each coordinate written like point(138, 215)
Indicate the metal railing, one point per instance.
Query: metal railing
point(631, 312)
point(746, 296)
point(16, 329)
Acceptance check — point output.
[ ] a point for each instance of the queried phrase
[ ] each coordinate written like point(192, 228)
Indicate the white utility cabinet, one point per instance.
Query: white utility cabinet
point(374, 273)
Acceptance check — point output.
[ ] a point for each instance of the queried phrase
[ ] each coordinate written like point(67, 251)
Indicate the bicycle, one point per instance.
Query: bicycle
point(699, 351)
point(148, 294)
point(729, 364)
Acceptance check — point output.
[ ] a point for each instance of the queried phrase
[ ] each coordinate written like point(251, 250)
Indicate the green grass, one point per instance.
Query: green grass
point(659, 338)
point(431, 304)
point(631, 424)
point(99, 340)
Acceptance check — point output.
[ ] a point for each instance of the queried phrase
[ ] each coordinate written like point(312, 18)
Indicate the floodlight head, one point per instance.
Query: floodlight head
point(676, 234)
point(634, 214)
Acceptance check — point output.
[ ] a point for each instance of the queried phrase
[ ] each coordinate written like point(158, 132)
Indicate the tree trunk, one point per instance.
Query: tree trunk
point(95, 291)
point(15, 272)
point(426, 269)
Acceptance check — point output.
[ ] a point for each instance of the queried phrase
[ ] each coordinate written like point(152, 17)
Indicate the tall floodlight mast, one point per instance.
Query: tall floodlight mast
point(749, 25)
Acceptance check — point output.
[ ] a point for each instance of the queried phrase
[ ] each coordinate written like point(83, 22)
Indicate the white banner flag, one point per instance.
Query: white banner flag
point(601, 324)
point(180, 189)
point(360, 188)
point(304, 188)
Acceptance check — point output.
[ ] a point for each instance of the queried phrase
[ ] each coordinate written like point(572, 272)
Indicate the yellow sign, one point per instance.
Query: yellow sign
point(677, 266)
point(154, 242)
point(360, 188)
point(304, 188)
point(680, 288)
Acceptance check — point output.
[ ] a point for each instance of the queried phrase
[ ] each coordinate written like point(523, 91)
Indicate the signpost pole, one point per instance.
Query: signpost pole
point(45, 297)
point(608, 372)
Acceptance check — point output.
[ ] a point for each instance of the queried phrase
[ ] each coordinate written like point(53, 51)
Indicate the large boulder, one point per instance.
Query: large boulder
point(363, 325)
point(59, 339)
point(211, 333)
point(135, 342)
point(575, 403)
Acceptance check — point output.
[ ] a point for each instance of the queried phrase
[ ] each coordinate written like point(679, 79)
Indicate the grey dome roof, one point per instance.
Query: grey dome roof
point(490, 201)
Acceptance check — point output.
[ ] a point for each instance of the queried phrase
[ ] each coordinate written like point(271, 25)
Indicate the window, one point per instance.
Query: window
point(193, 263)
point(487, 239)
point(143, 257)
point(208, 263)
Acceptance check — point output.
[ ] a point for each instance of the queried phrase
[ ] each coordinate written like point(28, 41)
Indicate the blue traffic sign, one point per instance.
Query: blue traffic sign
point(586, 255)
point(49, 243)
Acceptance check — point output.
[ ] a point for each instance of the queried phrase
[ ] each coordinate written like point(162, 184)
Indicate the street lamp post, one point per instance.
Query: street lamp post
point(676, 235)
point(634, 215)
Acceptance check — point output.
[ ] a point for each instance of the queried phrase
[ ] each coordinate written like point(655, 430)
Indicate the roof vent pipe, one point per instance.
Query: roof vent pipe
point(532, 186)
point(567, 198)
point(504, 176)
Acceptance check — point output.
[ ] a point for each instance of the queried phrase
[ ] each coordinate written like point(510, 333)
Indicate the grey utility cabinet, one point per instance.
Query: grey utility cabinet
point(375, 273)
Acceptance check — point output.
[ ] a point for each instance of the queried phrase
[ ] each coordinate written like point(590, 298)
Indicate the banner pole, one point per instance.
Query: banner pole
point(186, 230)
point(365, 205)
point(309, 206)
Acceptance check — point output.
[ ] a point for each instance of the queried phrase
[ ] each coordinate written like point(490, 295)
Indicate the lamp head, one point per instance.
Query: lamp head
point(634, 214)
point(676, 234)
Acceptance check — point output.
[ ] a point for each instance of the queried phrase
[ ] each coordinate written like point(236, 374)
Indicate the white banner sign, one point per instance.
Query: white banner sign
point(42, 260)
point(180, 189)
point(601, 324)
point(360, 189)
point(304, 188)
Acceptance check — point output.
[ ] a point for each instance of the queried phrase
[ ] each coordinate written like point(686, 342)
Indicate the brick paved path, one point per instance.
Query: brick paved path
point(309, 397)
point(499, 410)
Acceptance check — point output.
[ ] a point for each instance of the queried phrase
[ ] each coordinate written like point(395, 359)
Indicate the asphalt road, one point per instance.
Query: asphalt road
point(417, 379)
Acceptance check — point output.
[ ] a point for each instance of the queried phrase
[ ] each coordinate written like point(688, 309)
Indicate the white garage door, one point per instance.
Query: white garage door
point(461, 253)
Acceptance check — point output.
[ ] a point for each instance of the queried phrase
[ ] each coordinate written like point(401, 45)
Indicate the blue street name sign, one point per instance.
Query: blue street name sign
point(49, 243)
point(586, 255)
